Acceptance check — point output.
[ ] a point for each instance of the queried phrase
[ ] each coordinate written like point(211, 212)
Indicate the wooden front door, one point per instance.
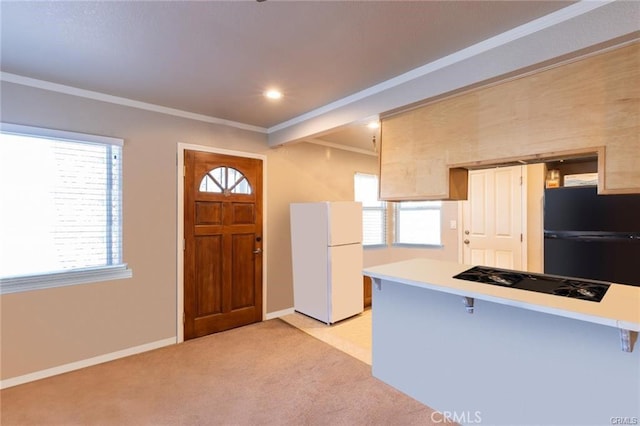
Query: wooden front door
point(493, 221)
point(223, 242)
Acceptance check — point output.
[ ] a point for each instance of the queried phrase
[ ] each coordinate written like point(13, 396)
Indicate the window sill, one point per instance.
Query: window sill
point(374, 246)
point(419, 246)
point(61, 279)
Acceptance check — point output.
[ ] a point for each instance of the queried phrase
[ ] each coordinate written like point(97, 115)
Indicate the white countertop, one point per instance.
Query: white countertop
point(619, 308)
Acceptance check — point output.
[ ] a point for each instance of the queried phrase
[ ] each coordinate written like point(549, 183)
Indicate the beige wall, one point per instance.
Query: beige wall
point(303, 173)
point(48, 328)
point(535, 195)
point(315, 185)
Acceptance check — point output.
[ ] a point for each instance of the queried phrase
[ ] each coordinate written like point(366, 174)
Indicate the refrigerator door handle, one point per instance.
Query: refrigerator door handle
point(592, 236)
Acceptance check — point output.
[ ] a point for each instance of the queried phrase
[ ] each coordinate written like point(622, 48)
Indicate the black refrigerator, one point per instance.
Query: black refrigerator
point(592, 236)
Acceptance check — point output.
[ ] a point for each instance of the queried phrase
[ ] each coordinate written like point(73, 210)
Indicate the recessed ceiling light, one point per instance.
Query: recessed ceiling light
point(373, 124)
point(273, 94)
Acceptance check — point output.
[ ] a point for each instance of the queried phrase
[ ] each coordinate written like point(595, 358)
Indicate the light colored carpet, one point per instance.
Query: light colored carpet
point(352, 335)
point(268, 373)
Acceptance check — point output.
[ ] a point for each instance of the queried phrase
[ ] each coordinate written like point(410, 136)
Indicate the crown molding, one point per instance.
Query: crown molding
point(89, 94)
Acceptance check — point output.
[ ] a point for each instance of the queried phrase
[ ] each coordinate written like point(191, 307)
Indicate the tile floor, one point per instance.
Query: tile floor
point(352, 335)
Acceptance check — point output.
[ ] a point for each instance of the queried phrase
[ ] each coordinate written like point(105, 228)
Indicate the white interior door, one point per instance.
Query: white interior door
point(493, 218)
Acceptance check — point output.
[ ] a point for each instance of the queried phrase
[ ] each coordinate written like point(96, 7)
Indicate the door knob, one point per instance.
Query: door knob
point(466, 241)
point(257, 251)
point(466, 232)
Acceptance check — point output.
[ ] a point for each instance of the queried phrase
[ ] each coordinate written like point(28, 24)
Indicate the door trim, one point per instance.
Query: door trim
point(182, 147)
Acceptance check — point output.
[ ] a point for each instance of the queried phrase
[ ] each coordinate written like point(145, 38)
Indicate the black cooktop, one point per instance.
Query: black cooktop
point(576, 288)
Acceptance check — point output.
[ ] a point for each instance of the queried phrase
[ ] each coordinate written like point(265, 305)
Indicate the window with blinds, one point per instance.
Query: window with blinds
point(61, 208)
point(374, 212)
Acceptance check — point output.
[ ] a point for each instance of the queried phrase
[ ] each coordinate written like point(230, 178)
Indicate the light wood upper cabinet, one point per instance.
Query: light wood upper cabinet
point(585, 108)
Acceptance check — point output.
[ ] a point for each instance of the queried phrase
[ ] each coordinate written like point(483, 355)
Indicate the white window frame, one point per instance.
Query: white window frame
point(382, 208)
point(398, 206)
point(72, 276)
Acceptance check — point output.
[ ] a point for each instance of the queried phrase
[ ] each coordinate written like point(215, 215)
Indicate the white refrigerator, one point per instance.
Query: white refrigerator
point(326, 246)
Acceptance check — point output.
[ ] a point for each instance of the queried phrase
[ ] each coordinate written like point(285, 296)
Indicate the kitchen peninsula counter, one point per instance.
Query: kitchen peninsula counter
point(619, 308)
point(487, 354)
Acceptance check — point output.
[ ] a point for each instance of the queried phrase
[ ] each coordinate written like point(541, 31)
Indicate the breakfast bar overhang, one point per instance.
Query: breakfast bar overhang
point(504, 356)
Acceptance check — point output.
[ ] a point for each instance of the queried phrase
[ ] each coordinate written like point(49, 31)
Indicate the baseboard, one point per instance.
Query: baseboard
point(19, 380)
point(278, 314)
point(42, 374)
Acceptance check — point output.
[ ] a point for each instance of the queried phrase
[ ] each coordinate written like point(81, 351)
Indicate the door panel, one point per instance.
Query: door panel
point(504, 203)
point(477, 214)
point(242, 214)
point(242, 292)
point(478, 257)
point(208, 275)
point(505, 259)
point(223, 242)
point(208, 213)
point(492, 218)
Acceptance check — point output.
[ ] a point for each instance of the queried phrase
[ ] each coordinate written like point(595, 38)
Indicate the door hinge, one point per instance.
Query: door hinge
point(520, 180)
point(184, 171)
point(521, 238)
point(184, 318)
point(184, 244)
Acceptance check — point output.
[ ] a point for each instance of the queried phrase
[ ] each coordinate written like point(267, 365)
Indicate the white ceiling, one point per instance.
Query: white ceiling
point(215, 58)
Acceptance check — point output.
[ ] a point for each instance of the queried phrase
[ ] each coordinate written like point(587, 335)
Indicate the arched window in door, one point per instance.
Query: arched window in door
point(225, 180)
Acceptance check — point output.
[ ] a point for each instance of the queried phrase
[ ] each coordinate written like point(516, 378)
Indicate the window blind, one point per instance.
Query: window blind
point(374, 212)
